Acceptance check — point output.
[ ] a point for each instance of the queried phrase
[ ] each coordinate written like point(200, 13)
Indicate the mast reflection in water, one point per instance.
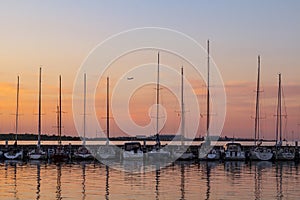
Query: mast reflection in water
point(181, 180)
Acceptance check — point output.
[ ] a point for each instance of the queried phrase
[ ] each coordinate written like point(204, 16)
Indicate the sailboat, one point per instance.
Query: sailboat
point(15, 153)
point(281, 152)
point(59, 153)
point(259, 152)
point(38, 153)
point(157, 151)
point(83, 152)
point(107, 151)
point(206, 151)
point(181, 153)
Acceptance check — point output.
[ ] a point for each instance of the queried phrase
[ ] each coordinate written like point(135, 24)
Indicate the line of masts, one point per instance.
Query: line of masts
point(59, 106)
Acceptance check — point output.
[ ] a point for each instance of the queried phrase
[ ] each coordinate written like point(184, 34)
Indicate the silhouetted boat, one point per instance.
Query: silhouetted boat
point(59, 153)
point(281, 152)
point(157, 150)
point(107, 151)
point(206, 151)
point(181, 152)
point(234, 151)
point(38, 153)
point(132, 151)
point(259, 152)
point(82, 152)
point(14, 153)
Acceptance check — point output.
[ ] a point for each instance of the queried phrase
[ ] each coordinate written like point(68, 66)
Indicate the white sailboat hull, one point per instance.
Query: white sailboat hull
point(285, 154)
point(37, 155)
point(235, 155)
point(159, 153)
point(262, 154)
point(182, 154)
point(106, 152)
point(14, 155)
point(83, 153)
point(210, 155)
point(132, 155)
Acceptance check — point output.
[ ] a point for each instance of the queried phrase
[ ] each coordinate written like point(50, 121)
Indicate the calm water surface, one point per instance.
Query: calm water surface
point(181, 180)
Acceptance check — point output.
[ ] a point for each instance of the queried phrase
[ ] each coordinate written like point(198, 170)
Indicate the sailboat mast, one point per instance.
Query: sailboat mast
point(84, 108)
point(59, 130)
point(157, 96)
point(57, 120)
point(280, 112)
point(256, 129)
point(207, 103)
point(107, 107)
point(278, 116)
point(40, 108)
point(17, 110)
point(182, 110)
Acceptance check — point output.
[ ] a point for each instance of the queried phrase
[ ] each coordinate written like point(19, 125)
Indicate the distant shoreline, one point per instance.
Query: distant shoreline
point(34, 137)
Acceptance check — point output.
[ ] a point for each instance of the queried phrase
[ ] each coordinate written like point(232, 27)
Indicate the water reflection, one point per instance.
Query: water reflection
point(38, 181)
point(258, 171)
point(279, 181)
point(107, 183)
point(13, 174)
point(58, 181)
point(182, 180)
point(208, 171)
point(83, 181)
point(157, 176)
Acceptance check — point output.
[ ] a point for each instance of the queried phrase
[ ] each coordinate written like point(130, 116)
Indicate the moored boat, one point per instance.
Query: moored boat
point(59, 153)
point(281, 152)
point(206, 151)
point(234, 151)
point(285, 153)
point(182, 152)
point(157, 150)
point(38, 153)
point(15, 153)
point(132, 151)
point(107, 151)
point(82, 152)
point(259, 152)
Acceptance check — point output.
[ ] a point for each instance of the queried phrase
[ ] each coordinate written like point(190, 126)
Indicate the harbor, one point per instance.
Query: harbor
point(146, 146)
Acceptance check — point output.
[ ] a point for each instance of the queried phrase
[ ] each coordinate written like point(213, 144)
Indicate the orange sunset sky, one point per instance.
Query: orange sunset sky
point(59, 35)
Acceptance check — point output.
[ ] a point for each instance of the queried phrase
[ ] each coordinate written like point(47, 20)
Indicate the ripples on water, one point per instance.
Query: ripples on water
point(181, 180)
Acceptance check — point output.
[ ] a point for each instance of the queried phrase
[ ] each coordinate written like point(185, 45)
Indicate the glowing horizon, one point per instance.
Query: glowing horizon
point(38, 34)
